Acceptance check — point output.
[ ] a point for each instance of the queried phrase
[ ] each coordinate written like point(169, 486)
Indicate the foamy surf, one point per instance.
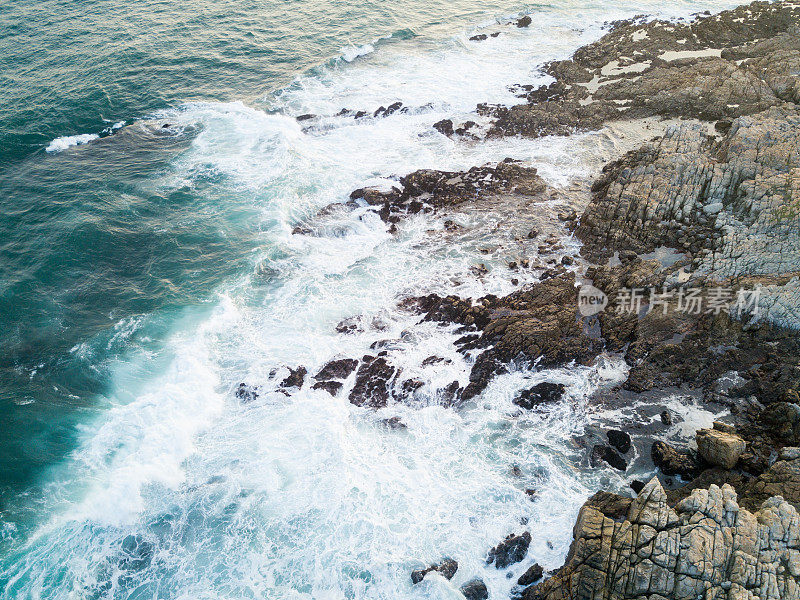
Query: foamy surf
point(62, 143)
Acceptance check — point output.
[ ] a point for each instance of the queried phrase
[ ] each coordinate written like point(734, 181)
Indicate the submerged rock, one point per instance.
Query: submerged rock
point(542, 393)
point(447, 569)
point(246, 393)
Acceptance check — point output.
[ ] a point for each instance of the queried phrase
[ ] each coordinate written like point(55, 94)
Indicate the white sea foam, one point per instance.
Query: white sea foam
point(350, 53)
point(62, 143)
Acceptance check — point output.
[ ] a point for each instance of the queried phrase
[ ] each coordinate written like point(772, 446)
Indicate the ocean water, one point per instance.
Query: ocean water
point(151, 173)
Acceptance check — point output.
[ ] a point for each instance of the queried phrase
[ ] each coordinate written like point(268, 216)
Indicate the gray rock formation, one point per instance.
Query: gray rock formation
point(706, 547)
point(731, 204)
point(736, 63)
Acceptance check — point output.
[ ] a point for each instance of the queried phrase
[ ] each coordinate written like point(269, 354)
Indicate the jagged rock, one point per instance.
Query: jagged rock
point(719, 448)
point(524, 21)
point(538, 322)
point(427, 190)
point(445, 127)
point(707, 546)
point(337, 369)
point(395, 423)
point(783, 420)
point(295, 378)
point(534, 573)
point(781, 479)
point(447, 569)
point(674, 462)
point(619, 439)
point(541, 393)
point(511, 550)
point(373, 382)
point(724, 203)
point(475, 589)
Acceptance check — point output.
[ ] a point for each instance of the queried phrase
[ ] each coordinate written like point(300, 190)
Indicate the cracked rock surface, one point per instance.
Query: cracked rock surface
point(707, 546)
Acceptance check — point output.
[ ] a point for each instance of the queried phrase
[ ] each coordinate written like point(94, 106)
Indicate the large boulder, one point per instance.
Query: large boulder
point(719, 448)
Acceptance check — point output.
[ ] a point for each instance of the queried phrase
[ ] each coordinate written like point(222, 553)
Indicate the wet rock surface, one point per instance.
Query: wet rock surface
point(475, 590)
point(539, 322)
point(447, 569)
point(511, 550)
point(373, 382)
point(542, 393)
point(427, 190)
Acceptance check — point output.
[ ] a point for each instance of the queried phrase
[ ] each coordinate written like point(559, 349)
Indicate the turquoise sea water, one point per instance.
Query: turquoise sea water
point(151, 172)
point(88, 243)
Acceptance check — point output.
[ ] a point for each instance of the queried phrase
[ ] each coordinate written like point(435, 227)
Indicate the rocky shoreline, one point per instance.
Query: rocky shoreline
point(703, 223)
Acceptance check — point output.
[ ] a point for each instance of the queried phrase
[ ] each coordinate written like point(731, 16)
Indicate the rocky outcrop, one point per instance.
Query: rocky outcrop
point(427, 190)
point(539, 322)
point(374, 379)
point(730, 204)
point(705, 547)
point(712, 68)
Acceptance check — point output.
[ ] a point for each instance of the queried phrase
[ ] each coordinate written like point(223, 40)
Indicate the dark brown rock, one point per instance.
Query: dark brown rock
point(511, 550)
point(447, 569)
